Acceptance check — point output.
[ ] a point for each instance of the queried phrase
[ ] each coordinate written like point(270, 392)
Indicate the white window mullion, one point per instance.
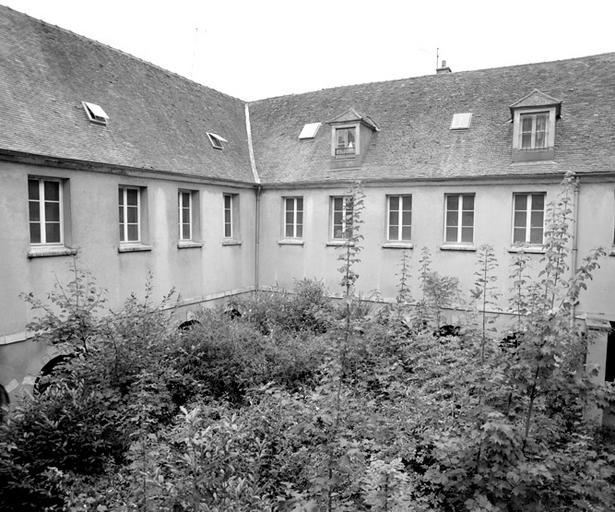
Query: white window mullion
point(528, 219)
point(459, 217)
point(295, 207)
point(41, 205)
point(138, 215)
point(400, 215)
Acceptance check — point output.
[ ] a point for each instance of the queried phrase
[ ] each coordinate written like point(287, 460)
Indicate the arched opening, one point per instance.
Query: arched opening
point(52, 367)
point(188, 324)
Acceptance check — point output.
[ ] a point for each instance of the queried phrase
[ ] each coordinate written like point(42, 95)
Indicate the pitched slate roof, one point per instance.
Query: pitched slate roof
point(157, 120)
point(414, 116)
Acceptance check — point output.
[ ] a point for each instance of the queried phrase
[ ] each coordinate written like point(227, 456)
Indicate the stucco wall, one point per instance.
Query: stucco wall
point(196, 273)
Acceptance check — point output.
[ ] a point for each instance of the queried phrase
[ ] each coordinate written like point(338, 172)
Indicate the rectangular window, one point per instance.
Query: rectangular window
point(45, 209)
point(399, 218)
point(231, 216)
point(341, 217)
point(459, 218)
point(129, 199)
point(185, 215)
point(534, 130)
point(528, 218)
point(345, 141)
point(293, 217)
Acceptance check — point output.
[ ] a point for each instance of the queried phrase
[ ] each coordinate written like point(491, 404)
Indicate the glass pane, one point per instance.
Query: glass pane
point(52, 211)
point(133, 233)
point(35, 213)
point(407, 202)
point(227, 216)
point(120, 196)
point(122, 233)
point(300, 231)
point(132, 197)
point(520, 202)
point(468, 202)
point(186, 231)
point(337, 218)
point(121, 215)
point(536, 235)
point(288, 230)
point(467, 219)
point(406, 218)
point(541, 122)
point(394, 202)
point(35, 233)
point(405, 233)
point(132, 213)
point(350, 133)
point(52, 191)
point(452, 202)
point(526, 141)
point(540, 141)
point(526, 124)
point(451, 234)
point(393, 218)
point(300, 217)
point(537, 220)
point(227, 201)
point(33, 189)
point(467, 234)
point(300, 203)
point(520, 219)
point(519, 235)
point(228, 231)
point(289, 217)
point(393, 233)
point(538, 201)
point(338, 203)
point(52, 232)
point(185, 200)
point(451, 219)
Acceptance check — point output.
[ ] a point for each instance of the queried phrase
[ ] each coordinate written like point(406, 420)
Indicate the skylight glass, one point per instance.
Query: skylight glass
point(461, 121)
point(216, 140)
point(95, 113)
point(309, 131)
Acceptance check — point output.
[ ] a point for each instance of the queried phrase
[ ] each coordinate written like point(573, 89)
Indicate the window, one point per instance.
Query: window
point(231, 216)
point(345, 141)
point(459, 218)
point(129, 199)
point(293, 217)
point(533, 130)
point(95, 113)
point(528, 218)
point(309, 131)
point(399, 218)
point(45, 211)
point(216, 140)
point(185, 215)
point(461, 121)
point(341, 217)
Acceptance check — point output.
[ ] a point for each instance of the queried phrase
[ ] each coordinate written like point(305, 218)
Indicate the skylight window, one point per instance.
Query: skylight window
point(95, 113)
point(309, 131)
point(461, 121)
point(216, 140)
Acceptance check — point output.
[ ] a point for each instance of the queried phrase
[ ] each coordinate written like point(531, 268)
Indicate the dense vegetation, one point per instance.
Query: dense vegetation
point(292, 402)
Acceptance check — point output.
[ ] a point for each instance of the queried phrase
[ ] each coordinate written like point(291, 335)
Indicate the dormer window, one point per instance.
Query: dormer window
point(346, 141)
point(216, 140)
point(95, 113)
point(533, 118)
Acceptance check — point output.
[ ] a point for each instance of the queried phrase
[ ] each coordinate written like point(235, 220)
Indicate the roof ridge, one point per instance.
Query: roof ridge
point(432, 76)
point(122, 52)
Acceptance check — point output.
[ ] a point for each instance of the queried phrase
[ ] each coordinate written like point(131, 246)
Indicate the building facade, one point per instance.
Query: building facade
point(133, 170)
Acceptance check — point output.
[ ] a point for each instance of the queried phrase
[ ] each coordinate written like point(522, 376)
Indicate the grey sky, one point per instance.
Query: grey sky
point(263, 48)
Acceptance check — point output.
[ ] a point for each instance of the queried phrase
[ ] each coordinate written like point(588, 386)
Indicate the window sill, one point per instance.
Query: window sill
point(398, 245)
point(338, 243)
point(50, 250)
point(134, 248)
point(458, 247)
point(290, 241)
point(612, 251)
point(189, 244)
point(526, 249)
point(231, 242)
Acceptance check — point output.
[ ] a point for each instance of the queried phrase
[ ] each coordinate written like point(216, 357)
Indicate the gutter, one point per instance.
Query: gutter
point(257, 203)
point(575, 241)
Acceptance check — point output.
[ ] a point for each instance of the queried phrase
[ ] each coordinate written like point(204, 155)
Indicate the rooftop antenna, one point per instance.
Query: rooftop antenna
point(437, 58)
point(196, 44)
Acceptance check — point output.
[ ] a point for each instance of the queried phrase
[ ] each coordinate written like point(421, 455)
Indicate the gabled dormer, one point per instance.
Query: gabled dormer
point(533, 118)
point(350, 135)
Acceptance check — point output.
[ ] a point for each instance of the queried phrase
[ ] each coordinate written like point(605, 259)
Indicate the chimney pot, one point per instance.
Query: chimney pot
point(443, 69)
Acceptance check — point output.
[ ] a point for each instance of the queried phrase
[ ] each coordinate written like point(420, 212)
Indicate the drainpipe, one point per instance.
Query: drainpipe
point(575, 243)
point(257, 237)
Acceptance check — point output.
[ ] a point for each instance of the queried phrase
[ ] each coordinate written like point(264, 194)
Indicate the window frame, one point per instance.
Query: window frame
point(357, 139)
point(519, 113)
point(124, 224)
point(345, 212)
point(296, 225)
point(181, 219)
point(400, 212)
point(42, 214)
point(234, 235)
point(528, 219)
point(460, 210)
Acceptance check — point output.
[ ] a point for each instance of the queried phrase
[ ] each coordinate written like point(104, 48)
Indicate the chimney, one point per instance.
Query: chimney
point(443, 69)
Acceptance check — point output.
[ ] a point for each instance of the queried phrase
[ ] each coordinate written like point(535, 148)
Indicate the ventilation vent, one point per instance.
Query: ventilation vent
point(95, 113)
point(461, 121)
point(216, 140)
point(309, 131)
